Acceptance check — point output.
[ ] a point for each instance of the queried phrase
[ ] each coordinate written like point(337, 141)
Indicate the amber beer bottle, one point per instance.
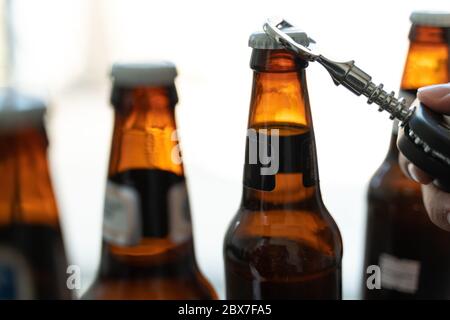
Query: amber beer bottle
point(283, 243)
point(411, 252)
point(148, 250)
point(32, 256)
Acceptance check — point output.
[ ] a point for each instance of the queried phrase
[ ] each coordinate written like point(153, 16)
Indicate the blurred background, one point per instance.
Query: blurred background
point(64, 49)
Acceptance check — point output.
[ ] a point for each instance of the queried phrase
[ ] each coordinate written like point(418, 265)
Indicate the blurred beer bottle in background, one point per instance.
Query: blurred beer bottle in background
point(412, 253)
point(283, 243)
point(32, 257)
point(148, 250)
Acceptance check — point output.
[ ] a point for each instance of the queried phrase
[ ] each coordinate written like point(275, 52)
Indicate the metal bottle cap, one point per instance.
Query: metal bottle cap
point(260, 40)
point(431, 18)
point(18, 110)
point(158, 73)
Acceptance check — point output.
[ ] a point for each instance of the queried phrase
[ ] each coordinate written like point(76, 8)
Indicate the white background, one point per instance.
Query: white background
point(66, 48)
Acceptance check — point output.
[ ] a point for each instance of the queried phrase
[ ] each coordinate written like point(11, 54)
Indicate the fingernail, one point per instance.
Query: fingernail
point(412, 173)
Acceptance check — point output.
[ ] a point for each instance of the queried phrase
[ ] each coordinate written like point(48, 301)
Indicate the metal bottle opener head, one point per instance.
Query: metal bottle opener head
point(274, 30)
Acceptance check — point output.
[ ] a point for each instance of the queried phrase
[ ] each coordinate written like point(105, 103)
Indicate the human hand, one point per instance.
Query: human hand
point(437, 202)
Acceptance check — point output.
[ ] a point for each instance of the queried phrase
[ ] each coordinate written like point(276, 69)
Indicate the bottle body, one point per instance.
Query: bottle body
point(410, 250)
point(32, 257)
point(283, 243)
point(270, 263)
point(148, 250)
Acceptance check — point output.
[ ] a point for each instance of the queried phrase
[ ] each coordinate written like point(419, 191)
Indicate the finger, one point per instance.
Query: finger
point(404, 162)
point(436, 97)
point(437, 203)
point(413, 172)
point(419, 175)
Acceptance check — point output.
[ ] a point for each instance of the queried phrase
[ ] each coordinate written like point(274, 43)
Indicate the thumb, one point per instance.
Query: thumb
point(436, 97)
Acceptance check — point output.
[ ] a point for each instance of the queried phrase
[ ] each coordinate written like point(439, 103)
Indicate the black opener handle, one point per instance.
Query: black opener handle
point(425, 141)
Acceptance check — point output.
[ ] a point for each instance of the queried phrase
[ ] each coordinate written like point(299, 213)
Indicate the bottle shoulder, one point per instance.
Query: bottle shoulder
point(305, 234)
point(390, 181)
point(152, 288)
point(148, 272)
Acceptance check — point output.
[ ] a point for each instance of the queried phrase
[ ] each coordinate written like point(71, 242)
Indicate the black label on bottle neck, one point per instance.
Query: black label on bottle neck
point(268, 153)
point(146, 203)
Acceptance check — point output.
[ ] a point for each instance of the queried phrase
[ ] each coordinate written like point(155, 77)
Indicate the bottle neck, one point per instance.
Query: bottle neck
point(393, 152)
point(280, 166)
point(147, 215)
point(27, 194)
point(144, 134)
point(427, 62)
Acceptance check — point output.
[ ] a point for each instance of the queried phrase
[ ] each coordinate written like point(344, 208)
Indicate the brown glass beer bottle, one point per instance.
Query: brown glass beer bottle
point(411, 252)
point(32, 257)
point(148, 250)
point(283, 243)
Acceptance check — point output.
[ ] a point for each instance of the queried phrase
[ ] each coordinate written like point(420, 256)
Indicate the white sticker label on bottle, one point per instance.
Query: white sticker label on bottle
point(180, 217)
point(122, 215)
point(399, 274)
point(16, 281)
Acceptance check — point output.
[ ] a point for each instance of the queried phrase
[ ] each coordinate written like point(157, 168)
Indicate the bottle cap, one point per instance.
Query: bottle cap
point(158, 73)
point(260, 40)
point(431, 18)
point(18, 110)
